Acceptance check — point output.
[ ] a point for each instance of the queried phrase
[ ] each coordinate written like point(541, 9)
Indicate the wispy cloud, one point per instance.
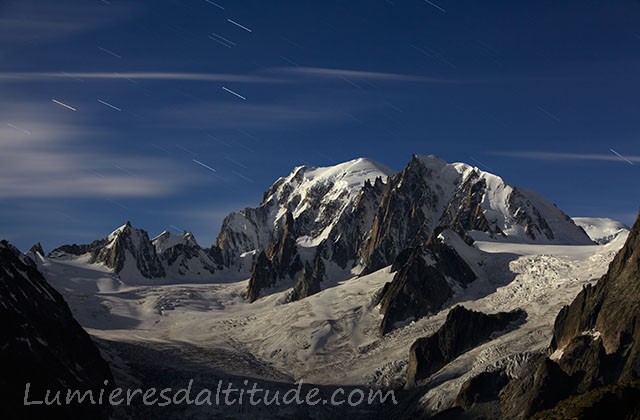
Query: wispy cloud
point(22, 22)
point(289, 111)
point(333, 73)
point(196, 77)
point(538, 155)
point(272, 75)
point(42, 157)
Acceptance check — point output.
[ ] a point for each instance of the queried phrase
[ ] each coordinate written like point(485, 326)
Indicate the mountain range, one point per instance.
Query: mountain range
point(436, 244)
point(318, 226)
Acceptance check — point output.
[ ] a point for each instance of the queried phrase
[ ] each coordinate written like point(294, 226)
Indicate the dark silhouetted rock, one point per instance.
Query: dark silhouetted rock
point(420, 286)
point(462, 330)
point(309, 279)
point(42, 344)
point(482, 388)
point(282, 261)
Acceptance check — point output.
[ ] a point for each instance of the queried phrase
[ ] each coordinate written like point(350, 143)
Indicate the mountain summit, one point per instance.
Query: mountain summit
point(357, 217)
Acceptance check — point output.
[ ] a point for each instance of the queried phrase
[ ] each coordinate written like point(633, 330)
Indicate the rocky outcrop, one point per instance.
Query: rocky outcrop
point(114, 251)
point(462, 330)
point(133, 256)
point(619, 401)
point(431, 195)
point(527, 215)
point(464, 213)
point(182, 256)
point(135, 242)
point(309, 280)
point(596, 339)
point(346, 242)
point(423, 283)
point(610, 309)
point(263, 275)
point(280, 261)
point(482, 388)
point(42, 344)
point(36, 249)
point(408, 211)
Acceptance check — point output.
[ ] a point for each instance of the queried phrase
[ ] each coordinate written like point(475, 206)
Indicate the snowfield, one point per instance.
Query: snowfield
point(601, 230)
point(331, 338)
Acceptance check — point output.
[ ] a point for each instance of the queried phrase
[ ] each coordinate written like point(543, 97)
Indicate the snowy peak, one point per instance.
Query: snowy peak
point(316, 197)
point(600, 229)
point(360, 215)
point(134, 257)
point(182, 257)
point(36, 253)
point(168, 240)
point(309, 187)
point(128, 251)
point(431, 195)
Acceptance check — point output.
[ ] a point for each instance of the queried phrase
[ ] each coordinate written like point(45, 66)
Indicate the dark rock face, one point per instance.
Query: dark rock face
point(420, 286)
point(215, 254)
point(405, 215)
point(464, 212)
point(482, 388)
point(347, 241)
point(36, 249)
point(620, 402)
point(263, 275)
point(137, 243)
point(182, 257)
point(611, 307)
point(309, 279)
point(112, 251)
point(462, 330)
point(256, 233)
point(42, 344)
point(527, 215)
point(282, 261)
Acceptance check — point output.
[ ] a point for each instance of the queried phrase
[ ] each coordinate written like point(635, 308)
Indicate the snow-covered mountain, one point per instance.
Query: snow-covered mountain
point(315, 197)
point(313, 211)
point(430, 195)
point(357, 217)
point(601, 229)
point(130, 254)
point(182, 257)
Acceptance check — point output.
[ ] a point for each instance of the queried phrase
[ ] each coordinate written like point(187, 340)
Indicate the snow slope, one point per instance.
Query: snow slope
point(601, 230)
point(332, 337)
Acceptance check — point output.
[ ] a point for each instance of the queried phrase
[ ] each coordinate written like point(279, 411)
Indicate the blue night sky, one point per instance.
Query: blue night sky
point(122, 110)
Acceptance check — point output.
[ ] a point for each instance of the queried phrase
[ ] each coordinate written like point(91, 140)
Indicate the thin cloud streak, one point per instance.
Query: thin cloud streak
point(332, 73)
point(197, 77)
point(294, 74)
point(52, 161)
point(537, 155)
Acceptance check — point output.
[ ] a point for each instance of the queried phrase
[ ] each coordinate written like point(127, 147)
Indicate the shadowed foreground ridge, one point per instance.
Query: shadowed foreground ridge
point(41, 343)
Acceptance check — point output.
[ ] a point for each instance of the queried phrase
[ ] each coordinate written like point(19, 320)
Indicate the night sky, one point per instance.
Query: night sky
point(173, 113)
